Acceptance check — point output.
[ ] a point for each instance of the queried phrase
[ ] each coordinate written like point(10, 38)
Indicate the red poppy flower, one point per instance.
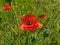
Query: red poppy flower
point(7, 7)
point(30, 23)
point(43, 16)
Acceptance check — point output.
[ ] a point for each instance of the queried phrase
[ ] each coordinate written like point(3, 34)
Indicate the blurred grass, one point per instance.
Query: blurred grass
point(10, 34)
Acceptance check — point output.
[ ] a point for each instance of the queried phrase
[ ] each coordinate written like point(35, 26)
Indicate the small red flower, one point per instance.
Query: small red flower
point(21, 17)
point(7, 7)
point(30, 23)
point(43, 16)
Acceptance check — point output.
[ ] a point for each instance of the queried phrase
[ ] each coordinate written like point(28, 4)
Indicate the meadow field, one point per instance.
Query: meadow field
point(11, 34)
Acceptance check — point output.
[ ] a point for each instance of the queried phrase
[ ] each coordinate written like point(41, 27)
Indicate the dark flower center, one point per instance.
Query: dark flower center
point(29, 23)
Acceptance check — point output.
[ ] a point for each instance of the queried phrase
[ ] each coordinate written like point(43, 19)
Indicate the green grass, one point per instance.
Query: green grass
point(10, 34)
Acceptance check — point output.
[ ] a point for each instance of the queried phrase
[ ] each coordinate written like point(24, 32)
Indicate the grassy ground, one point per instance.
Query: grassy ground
point(10, 34)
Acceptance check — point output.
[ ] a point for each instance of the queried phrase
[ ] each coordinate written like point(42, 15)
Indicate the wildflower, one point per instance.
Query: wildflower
point(43, 16)
point(21, 17)
point(7, 7)
point(30, 23)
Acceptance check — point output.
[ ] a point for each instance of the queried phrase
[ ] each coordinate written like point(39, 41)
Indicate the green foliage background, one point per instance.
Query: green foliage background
point(10, 34)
